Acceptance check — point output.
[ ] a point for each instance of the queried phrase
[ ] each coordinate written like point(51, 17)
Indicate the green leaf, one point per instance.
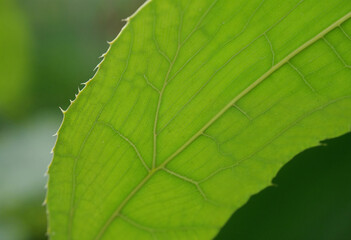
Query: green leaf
point(195, 108)
point(14, 61)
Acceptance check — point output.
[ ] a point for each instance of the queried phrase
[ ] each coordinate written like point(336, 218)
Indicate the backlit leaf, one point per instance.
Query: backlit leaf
point(195, 107)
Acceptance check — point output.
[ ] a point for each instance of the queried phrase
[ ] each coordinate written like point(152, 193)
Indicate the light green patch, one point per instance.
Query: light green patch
point(15, 64)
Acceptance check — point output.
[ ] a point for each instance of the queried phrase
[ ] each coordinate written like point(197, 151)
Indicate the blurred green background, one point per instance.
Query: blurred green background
point(47, 48)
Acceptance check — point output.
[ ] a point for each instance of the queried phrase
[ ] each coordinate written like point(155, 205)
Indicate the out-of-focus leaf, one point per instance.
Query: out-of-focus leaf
point(24, 156)
point(14, 61)
point(69, 36)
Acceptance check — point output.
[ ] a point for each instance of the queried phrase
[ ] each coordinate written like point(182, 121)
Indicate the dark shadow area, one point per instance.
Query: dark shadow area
point(311, 199)
point(26, 220)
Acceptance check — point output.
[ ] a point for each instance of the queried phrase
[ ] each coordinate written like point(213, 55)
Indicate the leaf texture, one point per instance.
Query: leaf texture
point(195, 107)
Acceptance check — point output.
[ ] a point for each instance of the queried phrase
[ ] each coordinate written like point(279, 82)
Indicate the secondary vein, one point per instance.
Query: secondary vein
point(257, 82)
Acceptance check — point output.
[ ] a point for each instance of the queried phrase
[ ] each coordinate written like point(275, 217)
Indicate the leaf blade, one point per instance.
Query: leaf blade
point(156, 148)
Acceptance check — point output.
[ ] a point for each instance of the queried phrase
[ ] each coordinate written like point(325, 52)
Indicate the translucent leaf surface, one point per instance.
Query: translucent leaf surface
point(195, 107)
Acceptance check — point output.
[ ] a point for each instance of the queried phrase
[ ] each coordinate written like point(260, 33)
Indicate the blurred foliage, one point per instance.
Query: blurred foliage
point(49, 47)
point(69, 38)
point(24, 157)
point(14, 61)
point(25, 221)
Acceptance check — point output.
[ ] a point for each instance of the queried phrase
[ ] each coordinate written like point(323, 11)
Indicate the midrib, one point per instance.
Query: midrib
point(219, 114)
point(257, 82)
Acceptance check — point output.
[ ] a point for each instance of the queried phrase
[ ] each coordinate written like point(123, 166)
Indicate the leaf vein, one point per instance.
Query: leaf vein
point(226, 63)
point(336, 53)
point(302, 76)
point(128, 141)
point(291, 125)
point(256, 83)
